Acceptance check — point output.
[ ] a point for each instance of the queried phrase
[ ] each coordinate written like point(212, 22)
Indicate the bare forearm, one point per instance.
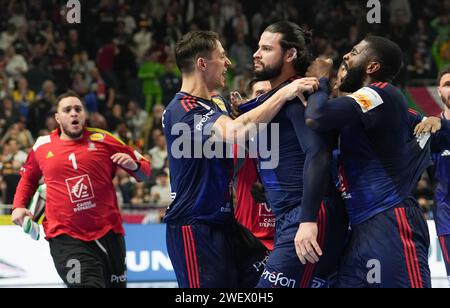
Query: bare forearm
point(246, 125)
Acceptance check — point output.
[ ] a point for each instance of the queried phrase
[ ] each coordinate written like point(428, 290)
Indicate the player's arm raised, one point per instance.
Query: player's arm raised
point(128, 159)
point(321, 113)
point(238, 129)
point(134, 163)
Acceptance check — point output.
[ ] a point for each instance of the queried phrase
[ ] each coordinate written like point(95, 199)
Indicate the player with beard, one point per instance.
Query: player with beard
point(380, 162)
point(82, 220)
point(206, 248)
point(440, 172)
point(301, 179)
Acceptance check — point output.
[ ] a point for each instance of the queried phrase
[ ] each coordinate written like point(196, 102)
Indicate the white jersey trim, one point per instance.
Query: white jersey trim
point(41, 141)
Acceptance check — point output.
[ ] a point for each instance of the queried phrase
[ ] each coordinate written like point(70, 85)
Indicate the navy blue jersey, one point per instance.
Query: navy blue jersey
point(442, 192)
point(303, 162)
point(380, 159)
point(441, 175)
point(201, 186)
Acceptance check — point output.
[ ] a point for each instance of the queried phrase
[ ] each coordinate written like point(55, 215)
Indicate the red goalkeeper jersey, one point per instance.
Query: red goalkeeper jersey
point(257, 217)
point(80, 200)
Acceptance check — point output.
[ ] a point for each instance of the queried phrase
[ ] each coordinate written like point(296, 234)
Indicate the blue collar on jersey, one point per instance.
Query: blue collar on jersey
point(255, 102)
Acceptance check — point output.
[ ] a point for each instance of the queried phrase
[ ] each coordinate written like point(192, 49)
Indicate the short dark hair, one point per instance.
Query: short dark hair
point(294, 36)
point(249, 86)
point(444, 71)
point(67, 94)
point(192, 45)
point(388, 54)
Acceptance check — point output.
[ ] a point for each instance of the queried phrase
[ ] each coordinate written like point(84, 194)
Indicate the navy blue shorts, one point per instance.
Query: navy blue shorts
point(390, 250)
point(445, 246)
point(284, 269)
point(215, 256)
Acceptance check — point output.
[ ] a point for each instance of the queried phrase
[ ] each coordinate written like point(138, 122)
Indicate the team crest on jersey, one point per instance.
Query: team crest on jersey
point(49, 155)
point(97, 137)
point(80, 188)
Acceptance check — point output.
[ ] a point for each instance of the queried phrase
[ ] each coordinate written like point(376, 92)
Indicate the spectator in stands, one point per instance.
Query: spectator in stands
point(149, 72)
point(60, 66)
point(143, 40)
point(123, 133)
point(80, 85)
point(170, 81)
point(9, 114)
point(115, 117)
point(156, 120)
point(20, 133)
point(73, 43)
point(139, 194)
point(158, 154)
point(135, 119)
point(241, 54)
point(23, 97)
point(160, 193)
point(41, 108)
point(12, 162)
point(16, 65)
point(125, 185)
point(8, 36)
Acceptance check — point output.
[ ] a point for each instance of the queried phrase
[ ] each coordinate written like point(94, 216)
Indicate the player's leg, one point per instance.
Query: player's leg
point(201, 256)
point(283, 268)
point(390, 251)
point(415, 242)
point(250, 256)
point(112, 248)
point(78, 265)
point(335, 227)
point(352, 272)
point(445, 246)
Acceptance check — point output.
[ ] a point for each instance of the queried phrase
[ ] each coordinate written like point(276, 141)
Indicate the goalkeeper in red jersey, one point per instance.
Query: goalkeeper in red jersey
point(82, 220)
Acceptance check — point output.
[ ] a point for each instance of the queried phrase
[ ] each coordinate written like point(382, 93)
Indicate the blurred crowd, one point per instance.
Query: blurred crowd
point(120, 59)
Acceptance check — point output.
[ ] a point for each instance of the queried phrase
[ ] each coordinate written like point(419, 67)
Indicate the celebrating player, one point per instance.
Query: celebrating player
point(441, 171)
point(302, 175)
point(200, 221)
point(380, 162)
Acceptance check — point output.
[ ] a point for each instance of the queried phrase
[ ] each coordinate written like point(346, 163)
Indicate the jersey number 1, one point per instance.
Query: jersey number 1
point(73, 160)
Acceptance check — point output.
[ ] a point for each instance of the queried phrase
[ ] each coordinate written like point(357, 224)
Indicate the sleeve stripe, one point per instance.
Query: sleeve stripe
point(381, 85)
point(188, 103)
point(101, 131)
point(414, 112)
point(192, 103)
point(183, 104)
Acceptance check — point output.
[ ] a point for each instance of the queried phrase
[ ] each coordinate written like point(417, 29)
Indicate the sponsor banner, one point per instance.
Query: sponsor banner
point(5, 220)
point(147, 258)
point(24, 261)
